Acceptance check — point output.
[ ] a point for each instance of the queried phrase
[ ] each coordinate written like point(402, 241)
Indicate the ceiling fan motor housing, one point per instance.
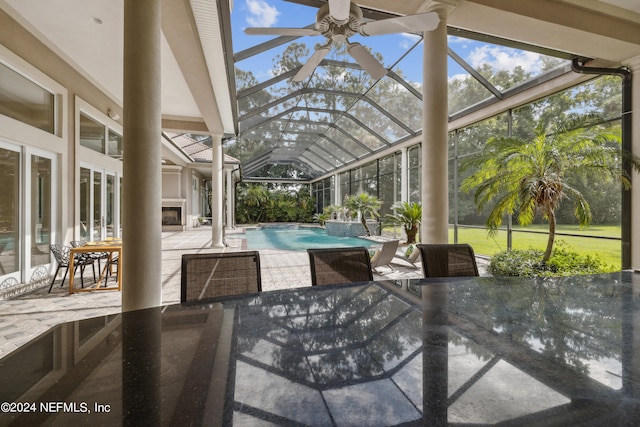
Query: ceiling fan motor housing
point(335, 30)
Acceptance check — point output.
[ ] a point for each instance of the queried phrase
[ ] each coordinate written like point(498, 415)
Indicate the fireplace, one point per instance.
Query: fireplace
point(174, 214)
point(171, 215)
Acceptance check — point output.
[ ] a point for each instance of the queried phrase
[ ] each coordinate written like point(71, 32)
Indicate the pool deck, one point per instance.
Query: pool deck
point(27, 316)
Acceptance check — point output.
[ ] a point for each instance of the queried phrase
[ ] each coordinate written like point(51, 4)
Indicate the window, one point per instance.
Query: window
point(24, 100)
point(115, 145)
point(92, 134)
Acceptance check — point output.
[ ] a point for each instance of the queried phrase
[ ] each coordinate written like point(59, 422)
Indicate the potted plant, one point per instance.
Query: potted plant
point(408, 215)
point(365, 205)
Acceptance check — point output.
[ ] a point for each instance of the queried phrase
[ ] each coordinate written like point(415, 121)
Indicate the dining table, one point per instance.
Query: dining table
point(113, 248)
point(450, 351)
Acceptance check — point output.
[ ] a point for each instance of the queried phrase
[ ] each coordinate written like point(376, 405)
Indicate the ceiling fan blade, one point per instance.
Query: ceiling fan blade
point(339, 10)
point(312, 63)
point(403, 24)
point(273, 31)
point(367, 61)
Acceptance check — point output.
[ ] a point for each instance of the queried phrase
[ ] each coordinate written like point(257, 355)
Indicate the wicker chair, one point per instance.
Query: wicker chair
point(448, 260)
point(206, 276)
point(61, 254)
point(339, 265)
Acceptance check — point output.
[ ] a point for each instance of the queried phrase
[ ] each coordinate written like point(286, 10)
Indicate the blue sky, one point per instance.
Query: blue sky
point(278, 13)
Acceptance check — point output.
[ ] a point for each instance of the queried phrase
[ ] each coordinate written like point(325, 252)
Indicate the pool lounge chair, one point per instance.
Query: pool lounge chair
point(383, 257)
point(413, 258)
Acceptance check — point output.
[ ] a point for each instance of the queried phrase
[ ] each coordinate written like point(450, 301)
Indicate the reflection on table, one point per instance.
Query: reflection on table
point(442, 351)
point(113, 248)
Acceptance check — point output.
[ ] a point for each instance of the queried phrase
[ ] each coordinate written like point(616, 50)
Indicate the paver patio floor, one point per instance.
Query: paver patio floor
point(29, 315)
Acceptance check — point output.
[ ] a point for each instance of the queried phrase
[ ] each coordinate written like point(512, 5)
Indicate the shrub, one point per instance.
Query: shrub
point(563, 262)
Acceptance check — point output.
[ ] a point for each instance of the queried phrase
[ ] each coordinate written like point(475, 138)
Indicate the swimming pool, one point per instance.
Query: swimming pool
point(298, 239)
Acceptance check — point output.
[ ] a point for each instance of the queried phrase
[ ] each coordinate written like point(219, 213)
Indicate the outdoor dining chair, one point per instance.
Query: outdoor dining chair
point(98, 256)
point(61, 253)
point(206, 276)
point(448, 260)
point(339, 265)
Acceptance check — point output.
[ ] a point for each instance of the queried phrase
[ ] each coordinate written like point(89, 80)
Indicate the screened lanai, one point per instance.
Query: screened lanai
point(341, 114)
point(345, 130)
point(395, 112)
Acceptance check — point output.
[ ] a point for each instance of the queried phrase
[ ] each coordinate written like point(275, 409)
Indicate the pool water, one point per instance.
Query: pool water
point(298, 239)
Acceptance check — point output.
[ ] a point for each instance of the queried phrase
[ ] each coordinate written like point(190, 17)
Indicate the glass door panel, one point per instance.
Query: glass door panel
point(98, 219)
point(110, 205)
point(41, 210)
point(9, 211)
point(85, 203)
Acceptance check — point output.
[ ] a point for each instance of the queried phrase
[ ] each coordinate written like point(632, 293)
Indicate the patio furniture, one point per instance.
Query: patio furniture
point(113, 248)
point(435, 352)
point(413, 258)
point(206, 276)
point(339, 265)
point(97, 256)
point(448, 260)
point(63, 258)
point(383, 257)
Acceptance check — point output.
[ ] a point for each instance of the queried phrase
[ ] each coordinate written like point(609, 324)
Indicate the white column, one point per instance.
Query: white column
point(635, 179)
point(336, 191)
point(435, 206)
point(229, 198)
point(404, 174)
point(142, 169)
point(217, 195)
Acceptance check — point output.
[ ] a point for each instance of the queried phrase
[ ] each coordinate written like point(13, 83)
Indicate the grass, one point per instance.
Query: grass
point(608, 250)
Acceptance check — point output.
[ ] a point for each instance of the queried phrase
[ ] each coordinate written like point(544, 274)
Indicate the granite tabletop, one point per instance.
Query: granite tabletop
point(478, 351)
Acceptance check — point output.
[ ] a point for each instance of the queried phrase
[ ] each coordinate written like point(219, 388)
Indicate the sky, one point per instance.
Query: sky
point(278, 13)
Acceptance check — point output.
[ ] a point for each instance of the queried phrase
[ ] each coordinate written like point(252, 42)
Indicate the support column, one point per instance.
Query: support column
point(635, 149)
point(435, 197)
point(337, 201)
point(217, 195)
point(142, 169)
point(229, 198)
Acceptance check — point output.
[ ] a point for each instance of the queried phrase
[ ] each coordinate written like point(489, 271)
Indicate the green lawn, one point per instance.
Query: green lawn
point(609, 251)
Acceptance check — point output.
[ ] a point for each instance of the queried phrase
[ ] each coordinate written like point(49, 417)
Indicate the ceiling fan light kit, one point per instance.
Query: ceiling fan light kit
point(340, 19)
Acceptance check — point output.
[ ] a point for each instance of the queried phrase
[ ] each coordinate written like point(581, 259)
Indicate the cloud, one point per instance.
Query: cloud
point(408, 40)
point(460, 77)
point(261, 14)
point(504, 58)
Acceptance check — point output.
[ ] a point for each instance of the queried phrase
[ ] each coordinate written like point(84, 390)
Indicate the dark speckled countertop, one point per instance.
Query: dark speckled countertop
point(444, 351)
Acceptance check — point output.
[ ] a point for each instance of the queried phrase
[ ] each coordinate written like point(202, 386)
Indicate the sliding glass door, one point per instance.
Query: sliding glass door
point(98, 204)
point(9, 211)
point(27, 212)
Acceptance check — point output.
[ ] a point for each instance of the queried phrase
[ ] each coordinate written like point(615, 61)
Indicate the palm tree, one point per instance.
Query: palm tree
point(255, 198)
point(366, 205)
point(529, 176)
point(409, 216)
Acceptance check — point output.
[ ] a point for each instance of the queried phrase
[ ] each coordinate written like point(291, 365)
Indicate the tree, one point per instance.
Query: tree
point(528, 176)
point(366, 205)
point(409, 216)
point(252, 201)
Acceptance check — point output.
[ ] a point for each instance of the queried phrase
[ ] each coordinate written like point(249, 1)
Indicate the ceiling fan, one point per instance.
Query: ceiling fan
point(340, 19)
